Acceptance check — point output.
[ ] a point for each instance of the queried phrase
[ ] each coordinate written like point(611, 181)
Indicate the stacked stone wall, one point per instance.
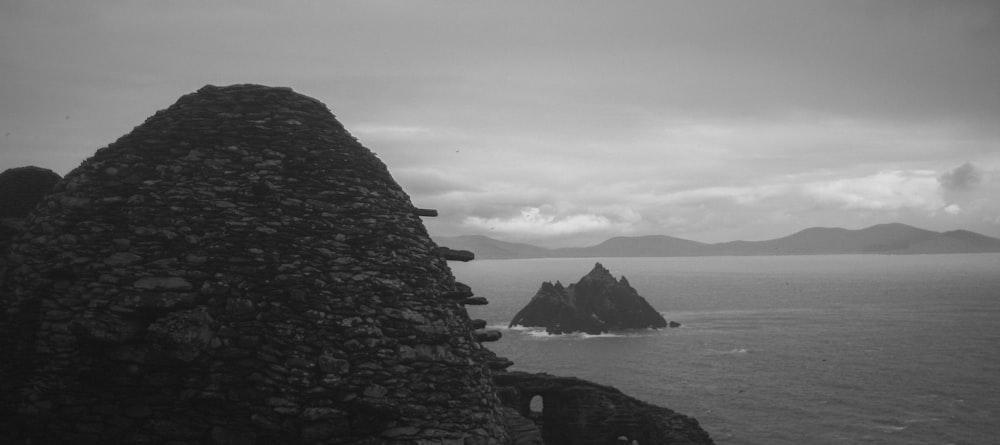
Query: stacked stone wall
point(237, 269)
point(21, 189)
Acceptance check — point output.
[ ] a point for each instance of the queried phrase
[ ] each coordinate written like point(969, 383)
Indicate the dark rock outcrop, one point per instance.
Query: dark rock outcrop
point(237, 269)
point(578, 412)
point(597, 303)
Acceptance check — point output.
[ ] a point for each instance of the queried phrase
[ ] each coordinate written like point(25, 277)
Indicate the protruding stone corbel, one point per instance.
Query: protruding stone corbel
point(475, 301)
point(461, 292)
point(425, 212)
point(478, 324)
point(484, 336)
point(499, 363)
point(456, 255)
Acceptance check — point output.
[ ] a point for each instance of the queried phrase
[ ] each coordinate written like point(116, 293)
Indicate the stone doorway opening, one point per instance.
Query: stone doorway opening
point(536, 406)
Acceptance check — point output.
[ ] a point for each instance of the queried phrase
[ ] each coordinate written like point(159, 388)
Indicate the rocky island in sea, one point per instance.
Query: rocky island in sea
point(596, 304)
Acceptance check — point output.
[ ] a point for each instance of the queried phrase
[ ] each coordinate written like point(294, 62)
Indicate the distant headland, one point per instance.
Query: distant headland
point(890, 239)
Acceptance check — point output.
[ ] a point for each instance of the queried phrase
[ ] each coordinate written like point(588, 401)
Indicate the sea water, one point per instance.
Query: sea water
point(841, 349)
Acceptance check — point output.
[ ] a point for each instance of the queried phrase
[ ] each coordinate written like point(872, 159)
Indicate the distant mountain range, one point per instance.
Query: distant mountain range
point(879, 239)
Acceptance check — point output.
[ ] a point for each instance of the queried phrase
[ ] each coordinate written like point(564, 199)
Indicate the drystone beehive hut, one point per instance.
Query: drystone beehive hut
point(20, 190)
point(237, 269)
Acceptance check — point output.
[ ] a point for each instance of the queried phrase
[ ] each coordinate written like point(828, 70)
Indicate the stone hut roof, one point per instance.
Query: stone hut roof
point(22, 187)
point(237, 269)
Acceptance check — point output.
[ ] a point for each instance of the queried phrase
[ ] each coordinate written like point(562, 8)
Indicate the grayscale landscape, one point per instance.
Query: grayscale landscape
point(733, 222)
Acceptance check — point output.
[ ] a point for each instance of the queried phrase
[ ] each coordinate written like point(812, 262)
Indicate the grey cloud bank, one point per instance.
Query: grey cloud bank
point(563, 123)
point(963, 177)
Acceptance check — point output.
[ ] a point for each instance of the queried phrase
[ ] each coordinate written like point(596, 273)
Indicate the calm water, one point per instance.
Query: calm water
point(842, 349)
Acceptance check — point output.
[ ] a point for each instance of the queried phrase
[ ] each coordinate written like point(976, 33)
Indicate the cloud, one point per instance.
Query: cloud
point(552, 221)
point(745, 195)
point(532, 221)
point(768, 207)
point(391, 131)
point(427, 182)
point(887, 190)
point(687, 118)
point(963, 177)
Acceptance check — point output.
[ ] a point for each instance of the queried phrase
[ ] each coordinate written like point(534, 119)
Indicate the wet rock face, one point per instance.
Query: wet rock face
point(597, 303)
point(237, 269)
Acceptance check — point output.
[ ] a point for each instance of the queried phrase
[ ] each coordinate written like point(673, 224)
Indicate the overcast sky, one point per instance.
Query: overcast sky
point(565, 122)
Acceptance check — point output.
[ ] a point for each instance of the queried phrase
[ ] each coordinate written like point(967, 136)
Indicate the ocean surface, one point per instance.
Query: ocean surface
point(839, 349)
